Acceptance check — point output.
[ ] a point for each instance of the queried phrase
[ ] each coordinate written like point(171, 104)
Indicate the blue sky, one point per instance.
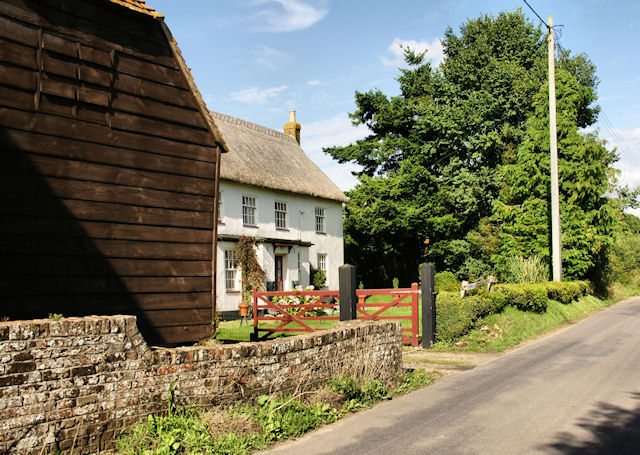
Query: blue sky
point(257, 59)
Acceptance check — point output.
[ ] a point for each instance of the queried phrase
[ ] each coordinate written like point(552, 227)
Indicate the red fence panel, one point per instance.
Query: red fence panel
point(292, 311)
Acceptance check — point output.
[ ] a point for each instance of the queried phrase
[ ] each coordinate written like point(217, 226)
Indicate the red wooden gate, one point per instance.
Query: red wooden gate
point(407, 297)
point(296, 317)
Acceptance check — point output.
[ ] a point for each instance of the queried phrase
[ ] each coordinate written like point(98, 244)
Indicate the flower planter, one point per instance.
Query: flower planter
point(244, 309)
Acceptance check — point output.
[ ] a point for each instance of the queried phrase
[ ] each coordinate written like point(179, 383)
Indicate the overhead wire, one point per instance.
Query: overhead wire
point(606, 121)
point(620, 142)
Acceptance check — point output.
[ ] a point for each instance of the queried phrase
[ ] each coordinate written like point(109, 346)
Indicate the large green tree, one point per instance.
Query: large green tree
point(588, 216)
point(431, 167)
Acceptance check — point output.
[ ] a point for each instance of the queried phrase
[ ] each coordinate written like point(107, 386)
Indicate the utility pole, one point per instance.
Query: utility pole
point(556, 247)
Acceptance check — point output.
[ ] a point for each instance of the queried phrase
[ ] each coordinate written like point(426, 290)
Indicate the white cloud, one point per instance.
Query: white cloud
point(337, 130)
point(435, 52)
point(313, 83)
point(288, 15)
point(254, 95)
point(628, 145)
point(269, 57)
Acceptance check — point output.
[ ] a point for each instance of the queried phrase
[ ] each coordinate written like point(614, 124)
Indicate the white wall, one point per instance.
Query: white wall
point(300, 227)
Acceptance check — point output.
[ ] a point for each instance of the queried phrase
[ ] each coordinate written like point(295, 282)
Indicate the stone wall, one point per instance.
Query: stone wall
point(77, 382)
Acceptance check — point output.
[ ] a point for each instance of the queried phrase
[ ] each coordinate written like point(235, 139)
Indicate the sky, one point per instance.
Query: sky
point(258, 59)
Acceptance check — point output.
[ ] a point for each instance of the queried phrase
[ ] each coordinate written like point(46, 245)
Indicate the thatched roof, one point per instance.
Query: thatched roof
point(267, 158)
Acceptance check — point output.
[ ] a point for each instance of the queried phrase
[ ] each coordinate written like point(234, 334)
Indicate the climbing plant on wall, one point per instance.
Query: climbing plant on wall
point(252, 274)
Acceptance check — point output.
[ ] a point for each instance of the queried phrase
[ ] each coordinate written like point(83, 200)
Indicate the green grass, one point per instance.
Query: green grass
point(518, 326)
point(232, 331)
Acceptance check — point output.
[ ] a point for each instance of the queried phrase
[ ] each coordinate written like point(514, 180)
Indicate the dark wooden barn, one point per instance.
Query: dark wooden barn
point(108, 169)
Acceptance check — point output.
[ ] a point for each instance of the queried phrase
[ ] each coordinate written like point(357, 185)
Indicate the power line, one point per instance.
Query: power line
point(620, 142)
point(534, 12)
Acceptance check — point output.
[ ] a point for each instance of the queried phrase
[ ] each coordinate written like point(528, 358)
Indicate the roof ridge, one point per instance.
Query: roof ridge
point(253, 126)
point(139, 6)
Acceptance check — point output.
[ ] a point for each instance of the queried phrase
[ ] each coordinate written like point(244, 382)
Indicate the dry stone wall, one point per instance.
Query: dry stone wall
point(77, 382)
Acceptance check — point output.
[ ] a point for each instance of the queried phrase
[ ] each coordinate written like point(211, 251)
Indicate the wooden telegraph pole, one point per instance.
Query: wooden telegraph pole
point(556, 248)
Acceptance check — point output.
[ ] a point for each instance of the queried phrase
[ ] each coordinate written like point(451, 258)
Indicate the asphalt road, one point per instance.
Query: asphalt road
point(574, 392)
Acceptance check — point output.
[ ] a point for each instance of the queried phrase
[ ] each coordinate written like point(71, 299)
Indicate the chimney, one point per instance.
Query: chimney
point(292, 128)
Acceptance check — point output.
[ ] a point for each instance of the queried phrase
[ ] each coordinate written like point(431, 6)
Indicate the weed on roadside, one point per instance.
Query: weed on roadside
point(271, 419)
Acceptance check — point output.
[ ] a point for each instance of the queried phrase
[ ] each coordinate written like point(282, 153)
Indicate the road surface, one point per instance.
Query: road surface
point(574, 392)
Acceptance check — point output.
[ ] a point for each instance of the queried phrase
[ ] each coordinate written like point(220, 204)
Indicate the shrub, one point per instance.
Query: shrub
point(289, 300)
point(526, 297)
point(318, 278)
point(446, 281)
point(526, 270)
point(396, 283)
point(455, 315)
point(566, 291)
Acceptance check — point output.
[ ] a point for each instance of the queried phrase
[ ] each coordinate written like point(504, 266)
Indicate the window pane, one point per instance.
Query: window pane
point(281, 214)
point(249, 210)
point(322, 262)
point(319, 219)
point(230, 269)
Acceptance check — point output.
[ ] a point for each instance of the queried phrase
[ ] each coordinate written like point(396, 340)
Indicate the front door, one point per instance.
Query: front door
point(279, 274)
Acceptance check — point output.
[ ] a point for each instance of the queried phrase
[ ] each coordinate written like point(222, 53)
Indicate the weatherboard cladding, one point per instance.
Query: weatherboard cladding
point(107, 169)
point(267, 158)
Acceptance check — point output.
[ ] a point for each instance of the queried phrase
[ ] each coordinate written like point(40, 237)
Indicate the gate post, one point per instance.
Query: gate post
point(347, 290)
point(428, 306)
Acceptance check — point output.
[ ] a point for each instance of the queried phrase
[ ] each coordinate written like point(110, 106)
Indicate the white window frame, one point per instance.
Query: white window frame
point(249, 210)
point(322, 261)
point(281, 210)
point(230, 270)
point(320, 220)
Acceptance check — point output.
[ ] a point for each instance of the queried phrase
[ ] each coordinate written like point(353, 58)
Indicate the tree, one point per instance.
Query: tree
point(587, 215)
point(431, 167)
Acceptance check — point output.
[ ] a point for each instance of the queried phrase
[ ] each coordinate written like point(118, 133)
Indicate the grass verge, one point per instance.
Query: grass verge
point(509, 328)
point(244, 429)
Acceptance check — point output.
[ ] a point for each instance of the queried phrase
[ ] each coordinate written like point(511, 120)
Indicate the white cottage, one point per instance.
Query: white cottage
point(271, 190)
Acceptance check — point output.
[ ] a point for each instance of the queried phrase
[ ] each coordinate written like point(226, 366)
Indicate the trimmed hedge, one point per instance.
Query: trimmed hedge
point(566, 291)
point(455, 315)
point(525, 297)
point(446, 281)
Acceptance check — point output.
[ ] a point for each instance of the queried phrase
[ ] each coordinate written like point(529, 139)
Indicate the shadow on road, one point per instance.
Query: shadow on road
point(613, 430)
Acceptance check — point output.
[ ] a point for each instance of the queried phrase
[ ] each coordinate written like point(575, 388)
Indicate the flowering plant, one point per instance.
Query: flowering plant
point(300, 300)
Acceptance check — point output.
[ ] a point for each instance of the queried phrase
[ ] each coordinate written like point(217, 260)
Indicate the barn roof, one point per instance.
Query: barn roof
point(267, 158)
point(137, 5)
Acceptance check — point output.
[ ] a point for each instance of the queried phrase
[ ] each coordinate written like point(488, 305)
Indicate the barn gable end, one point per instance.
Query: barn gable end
point(107, 169)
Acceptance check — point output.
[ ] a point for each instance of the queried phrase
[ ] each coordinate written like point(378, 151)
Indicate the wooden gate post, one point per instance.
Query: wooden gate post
point(347, 288)
point(428, 306)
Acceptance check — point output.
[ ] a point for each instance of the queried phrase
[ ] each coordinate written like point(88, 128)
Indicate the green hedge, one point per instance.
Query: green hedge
point(446, 281)
point(455, 315)
point(566, 291)
point(525, 297)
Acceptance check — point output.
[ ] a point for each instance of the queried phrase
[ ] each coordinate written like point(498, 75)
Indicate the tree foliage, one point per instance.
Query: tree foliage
point(455, 156)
